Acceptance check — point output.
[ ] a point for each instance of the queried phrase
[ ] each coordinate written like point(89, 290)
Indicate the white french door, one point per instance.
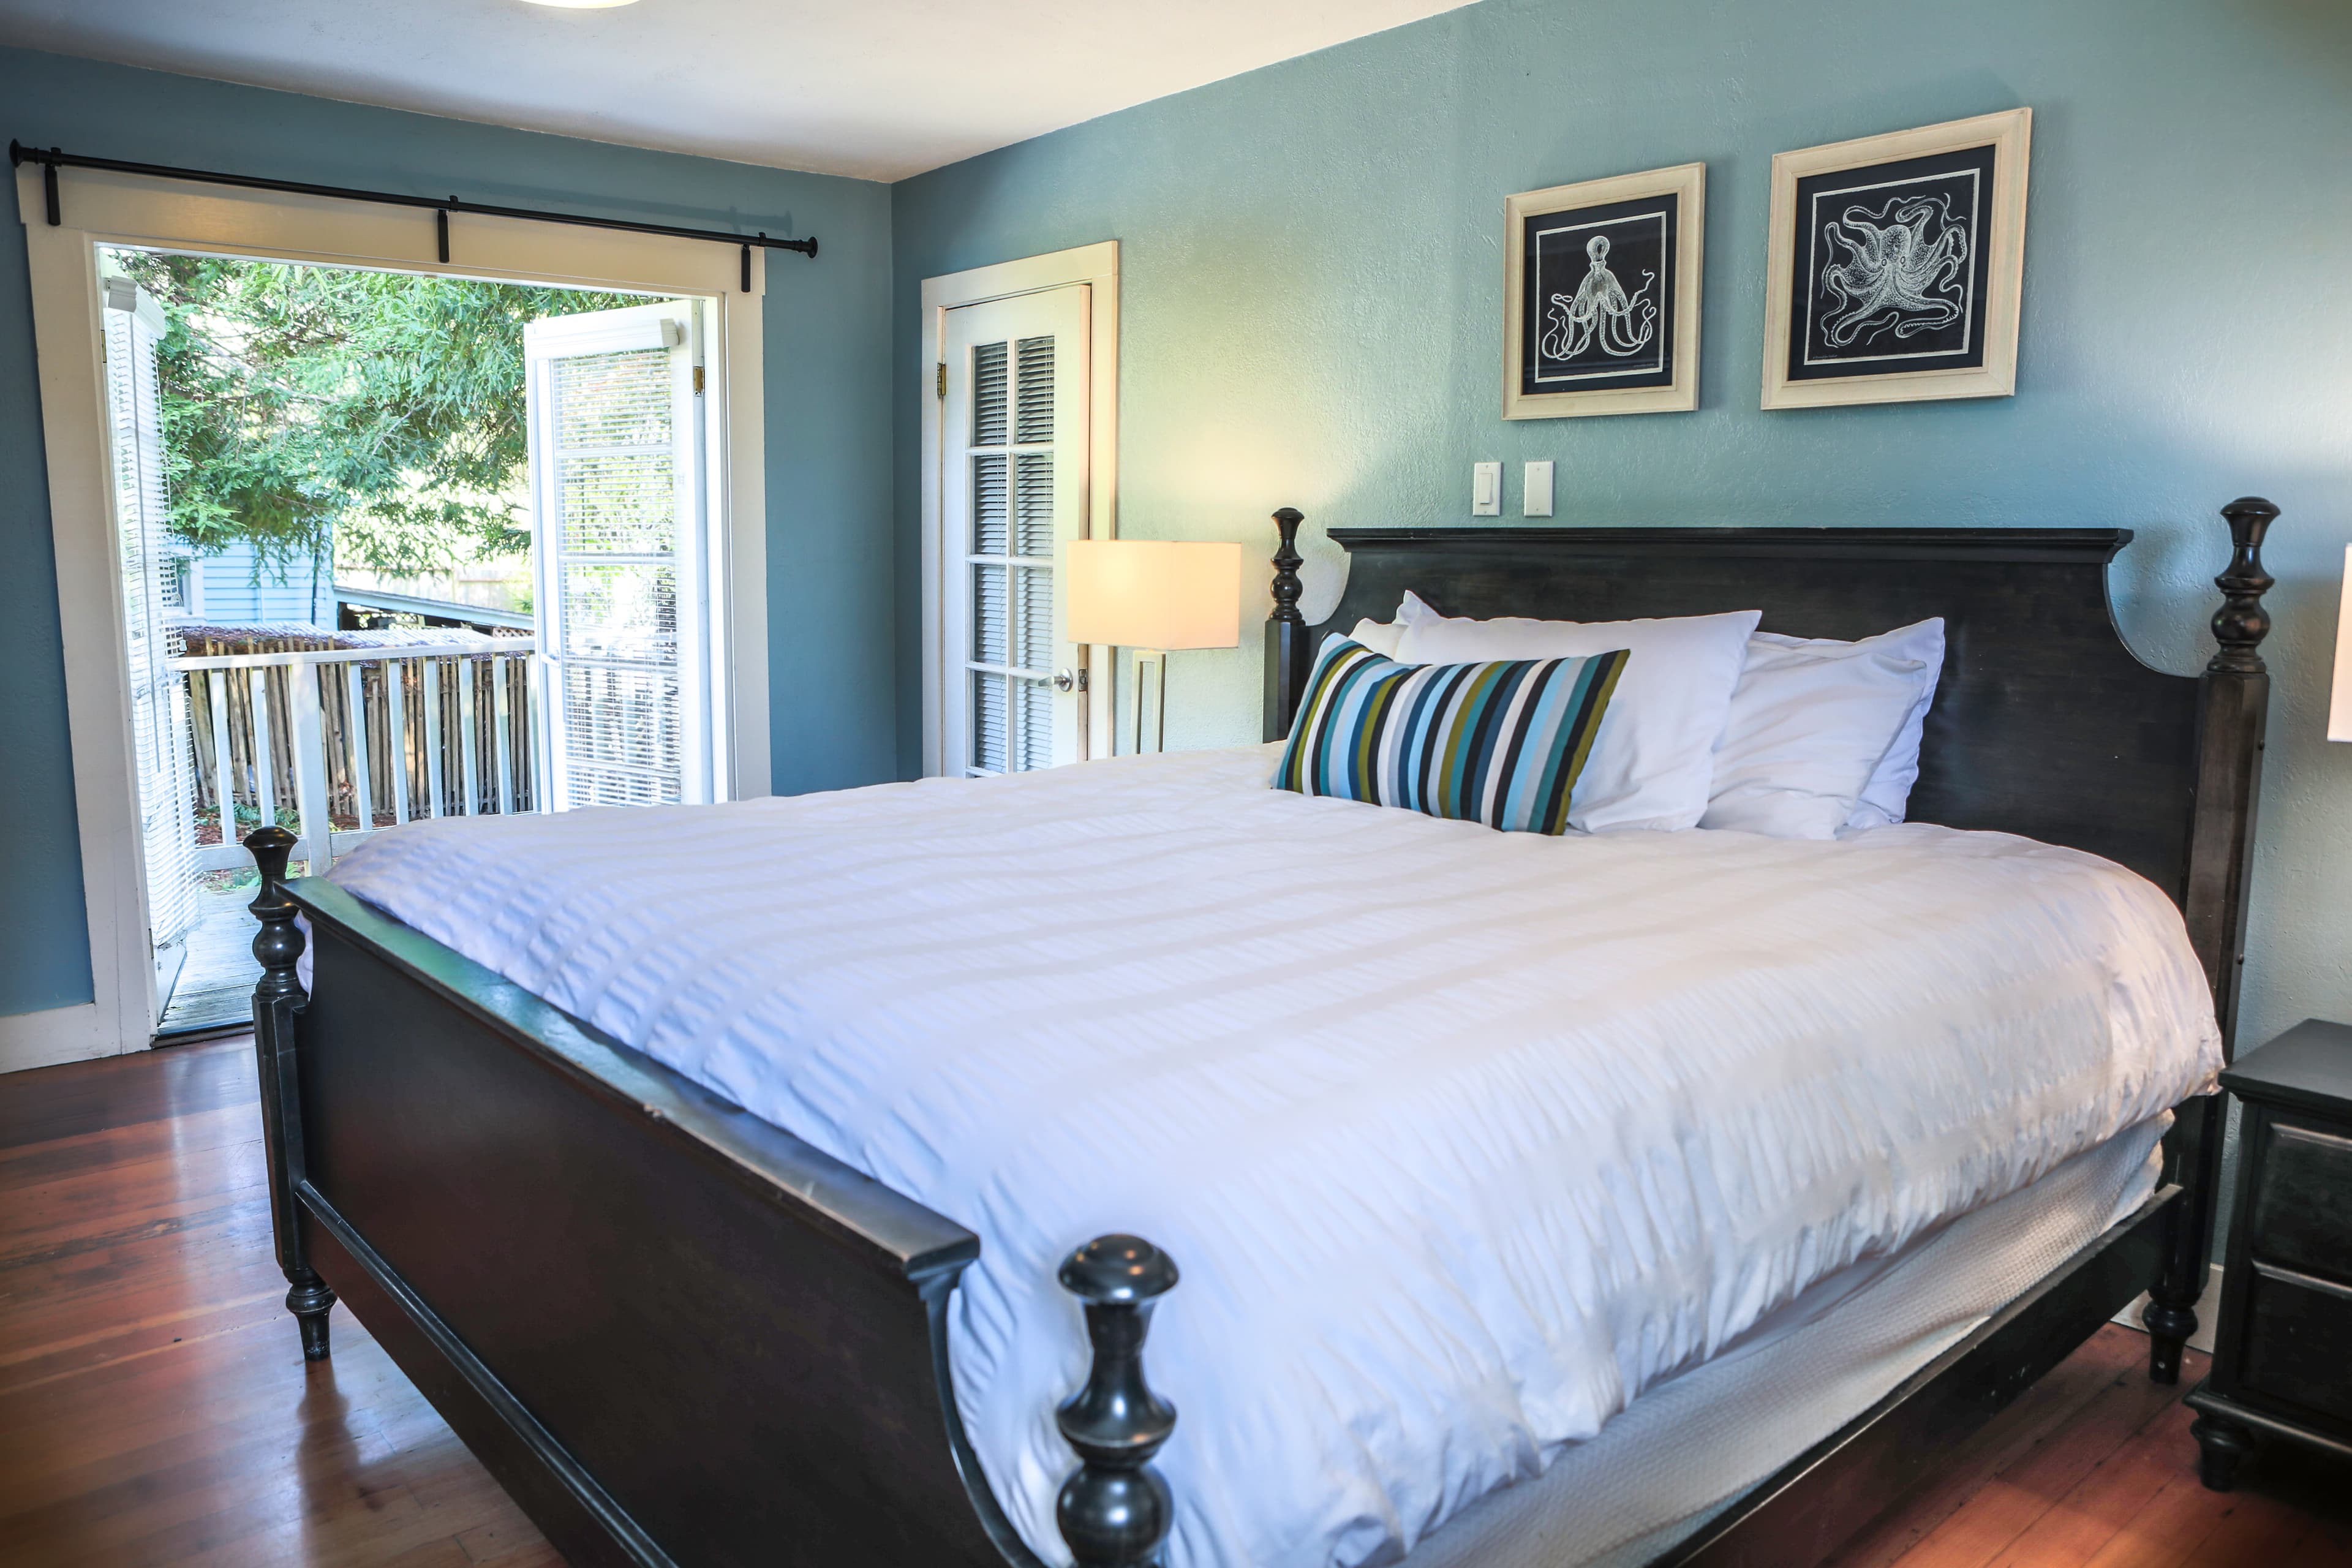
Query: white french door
point(1012, 487)
point(622, 556)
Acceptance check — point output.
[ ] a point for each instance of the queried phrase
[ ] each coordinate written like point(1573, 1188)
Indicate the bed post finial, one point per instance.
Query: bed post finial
point(276, 999)
point(1286, 646)
point(2242, 623)
point(1116, 1511)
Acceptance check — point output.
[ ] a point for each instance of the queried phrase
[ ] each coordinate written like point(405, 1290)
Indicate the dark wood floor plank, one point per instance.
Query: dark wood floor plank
point(50, 1103)
point(154, 1406)
point(2112, 1355)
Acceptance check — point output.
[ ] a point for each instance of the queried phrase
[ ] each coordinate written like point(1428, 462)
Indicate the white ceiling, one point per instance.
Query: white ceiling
point(879, 89)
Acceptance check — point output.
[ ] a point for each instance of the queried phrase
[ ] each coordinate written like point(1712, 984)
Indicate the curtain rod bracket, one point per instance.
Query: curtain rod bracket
point(441, 230)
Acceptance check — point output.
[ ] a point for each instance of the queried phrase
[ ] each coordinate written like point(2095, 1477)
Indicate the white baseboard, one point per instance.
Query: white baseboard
point(55, 1034)
point(2208, 1311)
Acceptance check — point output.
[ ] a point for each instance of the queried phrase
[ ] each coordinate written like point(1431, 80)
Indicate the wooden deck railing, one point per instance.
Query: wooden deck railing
point(354, 740)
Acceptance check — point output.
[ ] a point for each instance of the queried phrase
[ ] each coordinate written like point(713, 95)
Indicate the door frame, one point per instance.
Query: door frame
point(1090, 264)
point(104, 208)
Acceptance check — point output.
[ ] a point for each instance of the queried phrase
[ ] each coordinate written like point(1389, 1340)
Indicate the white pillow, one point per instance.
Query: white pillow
point(1653, 762)
point(1383, 636)
point(1888, 794)
point(1809, 724)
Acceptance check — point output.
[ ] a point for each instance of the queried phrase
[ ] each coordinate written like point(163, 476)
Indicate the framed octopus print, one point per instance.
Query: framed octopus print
point(1895, 266)
point(1601, 296)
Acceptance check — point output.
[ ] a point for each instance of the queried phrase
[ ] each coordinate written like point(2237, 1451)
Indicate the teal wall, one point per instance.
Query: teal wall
point(1311, 305)
point(828, 418)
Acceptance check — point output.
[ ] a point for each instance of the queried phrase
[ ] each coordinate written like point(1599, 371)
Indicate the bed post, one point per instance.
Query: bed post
point(1116, 1510)
point(276, 999)
point(1289, 653)
point(2233, 704)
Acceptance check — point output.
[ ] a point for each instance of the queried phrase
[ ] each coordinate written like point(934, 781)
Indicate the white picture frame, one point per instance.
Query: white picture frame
point(1880, 309)
point(1630, 344)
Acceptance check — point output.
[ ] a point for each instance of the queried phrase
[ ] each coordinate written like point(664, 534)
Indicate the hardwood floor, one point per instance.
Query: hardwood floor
point(154, 1408)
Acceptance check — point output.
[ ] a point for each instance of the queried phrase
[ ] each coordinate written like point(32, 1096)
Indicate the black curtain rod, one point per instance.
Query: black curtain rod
point(52, 159)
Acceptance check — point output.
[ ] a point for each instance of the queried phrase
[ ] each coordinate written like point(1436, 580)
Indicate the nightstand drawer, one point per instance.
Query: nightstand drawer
point(2303, 1209)
point(2294, 1339)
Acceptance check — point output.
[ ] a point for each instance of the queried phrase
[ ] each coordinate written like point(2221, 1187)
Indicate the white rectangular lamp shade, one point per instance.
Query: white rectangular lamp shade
point(2339, 711)
point(1153, 593)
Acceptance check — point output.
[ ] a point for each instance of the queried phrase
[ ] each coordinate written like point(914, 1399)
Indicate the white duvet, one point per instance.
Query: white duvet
point(1461, 1138)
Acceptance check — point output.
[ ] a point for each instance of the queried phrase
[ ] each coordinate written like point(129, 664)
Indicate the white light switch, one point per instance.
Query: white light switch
point(1486, 490)
point(1535, 495)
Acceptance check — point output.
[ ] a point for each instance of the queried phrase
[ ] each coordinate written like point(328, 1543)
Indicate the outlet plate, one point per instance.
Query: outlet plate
point(1535, 491)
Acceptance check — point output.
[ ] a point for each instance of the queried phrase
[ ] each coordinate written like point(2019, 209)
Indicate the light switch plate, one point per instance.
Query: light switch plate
point(1535, 495)
point(1486, 490)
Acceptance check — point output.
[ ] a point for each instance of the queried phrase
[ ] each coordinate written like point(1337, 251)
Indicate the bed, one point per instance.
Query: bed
point(679, 1333)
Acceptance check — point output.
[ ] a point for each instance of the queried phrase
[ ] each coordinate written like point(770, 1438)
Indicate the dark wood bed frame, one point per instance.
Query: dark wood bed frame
point(678, 1334)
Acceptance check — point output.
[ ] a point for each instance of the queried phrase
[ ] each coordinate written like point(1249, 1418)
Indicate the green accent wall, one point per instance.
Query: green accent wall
point(830, 570)
point(1311, 315)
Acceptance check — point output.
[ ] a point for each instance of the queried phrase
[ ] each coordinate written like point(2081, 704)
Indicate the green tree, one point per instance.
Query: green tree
point(383, 412)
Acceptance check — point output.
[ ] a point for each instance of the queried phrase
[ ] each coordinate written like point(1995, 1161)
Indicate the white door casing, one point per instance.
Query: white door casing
point(103, 208)
point(1012, 493)
point(944, 667)
point(620, 556)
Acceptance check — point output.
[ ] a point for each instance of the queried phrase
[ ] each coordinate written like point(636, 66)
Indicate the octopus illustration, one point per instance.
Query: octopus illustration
point(1889, 275)
point(1601, 312)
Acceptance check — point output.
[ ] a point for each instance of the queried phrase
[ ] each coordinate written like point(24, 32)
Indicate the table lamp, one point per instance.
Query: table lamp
point(2339, 711)
point(1154, 595)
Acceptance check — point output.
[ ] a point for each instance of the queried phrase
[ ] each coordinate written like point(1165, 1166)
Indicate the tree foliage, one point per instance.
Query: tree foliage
point(382, 412)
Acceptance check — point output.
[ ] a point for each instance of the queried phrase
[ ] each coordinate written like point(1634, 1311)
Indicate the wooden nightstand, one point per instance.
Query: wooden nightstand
point(2282, 1354)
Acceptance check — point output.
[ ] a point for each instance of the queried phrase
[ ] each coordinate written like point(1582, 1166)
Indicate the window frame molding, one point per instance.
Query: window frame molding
point(103, 208)
point(1097, 265)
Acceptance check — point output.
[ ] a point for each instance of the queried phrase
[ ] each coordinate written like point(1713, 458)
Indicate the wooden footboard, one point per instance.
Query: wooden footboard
point(675, 1332)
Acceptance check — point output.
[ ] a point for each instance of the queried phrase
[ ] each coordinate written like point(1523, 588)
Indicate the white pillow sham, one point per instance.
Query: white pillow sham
point(1887, 795)
point(1383, 636)
point(1809, 724)
point(1653, 762)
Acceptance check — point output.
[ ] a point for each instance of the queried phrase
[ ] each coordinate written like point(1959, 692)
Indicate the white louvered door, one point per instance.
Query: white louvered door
point(620, 544)
point(1013, 488)
point(159, 712)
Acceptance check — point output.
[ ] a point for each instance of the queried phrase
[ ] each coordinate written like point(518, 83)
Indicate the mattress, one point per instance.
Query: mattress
point(1462, 1139)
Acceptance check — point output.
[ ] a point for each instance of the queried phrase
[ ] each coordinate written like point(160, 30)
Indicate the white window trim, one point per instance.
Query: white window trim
point(1094, 264)
point(104, 208)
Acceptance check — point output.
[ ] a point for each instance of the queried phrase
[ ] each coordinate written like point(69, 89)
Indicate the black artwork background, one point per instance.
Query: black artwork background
point(1957, 346)
point(1632, 229)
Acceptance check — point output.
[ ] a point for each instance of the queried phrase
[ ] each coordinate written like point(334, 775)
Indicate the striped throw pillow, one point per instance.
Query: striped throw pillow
point(1500, 743)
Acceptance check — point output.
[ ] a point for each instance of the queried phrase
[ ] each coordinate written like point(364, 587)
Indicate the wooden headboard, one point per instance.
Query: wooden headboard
point(2045, 723)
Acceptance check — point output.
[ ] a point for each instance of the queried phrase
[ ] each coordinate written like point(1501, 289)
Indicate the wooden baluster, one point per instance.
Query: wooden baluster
point(265, 752)
point(501, 721)
point(356, 723)
point(468, 737)
point(278, 1000)
point(306, 747)
point(2236, 703)
point(218, 685)
point(1116, 1510)
point(430, 668)
point(1289, 654)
